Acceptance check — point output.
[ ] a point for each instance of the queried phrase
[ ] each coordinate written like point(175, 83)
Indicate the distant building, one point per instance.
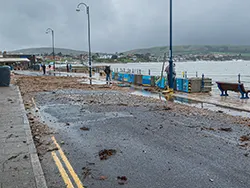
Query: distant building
point(106, 56)
point(15, 63)
point(50, 57)
point(31, 58)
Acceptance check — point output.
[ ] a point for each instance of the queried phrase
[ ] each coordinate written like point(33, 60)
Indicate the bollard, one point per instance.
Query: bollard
point(238, 78)
point(185, 74)
point(196, 74)
point(202, 82)
point(149, 72)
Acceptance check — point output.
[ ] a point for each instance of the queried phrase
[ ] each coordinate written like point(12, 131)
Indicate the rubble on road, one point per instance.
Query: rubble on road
point(245, 138)
point(86, 172)
point(122, 180)
point(208, 128)
point(226, 129)
point(106, 153)
point(103, 178)
point(84, 128)
point(54, 148)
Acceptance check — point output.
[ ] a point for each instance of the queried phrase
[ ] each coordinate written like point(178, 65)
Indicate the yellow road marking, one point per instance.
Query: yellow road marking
point(62, 171)
point(68, 165)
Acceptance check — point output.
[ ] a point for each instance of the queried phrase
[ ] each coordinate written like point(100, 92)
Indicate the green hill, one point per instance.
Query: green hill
point(157, 51)
point(47, 50)
point(194, 49)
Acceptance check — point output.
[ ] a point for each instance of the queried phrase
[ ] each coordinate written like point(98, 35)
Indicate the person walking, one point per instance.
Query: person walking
point(70, 68)
point(107, 72)
point(67, 67)
point(168, 74)
point(49, 71)
point(44, 69)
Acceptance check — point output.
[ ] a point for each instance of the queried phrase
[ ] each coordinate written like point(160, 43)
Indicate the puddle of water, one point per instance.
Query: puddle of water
point(192, 103)
point(148, 94)
point(95, 82)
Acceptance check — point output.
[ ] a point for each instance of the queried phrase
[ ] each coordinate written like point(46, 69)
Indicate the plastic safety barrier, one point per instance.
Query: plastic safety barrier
point(120, 76)
point(179, 84)
point(146, 80)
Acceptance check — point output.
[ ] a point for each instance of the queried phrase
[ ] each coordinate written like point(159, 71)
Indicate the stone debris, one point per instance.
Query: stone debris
point(212, 180)
point(84, 128)
point(208, 128)
point(103, 178)
point(244, 138)
point(226, 129)
point(244, 145)
point(52, 149)
point(25, 157)
point(86, 172)
point(106, 153)
point(122, 180)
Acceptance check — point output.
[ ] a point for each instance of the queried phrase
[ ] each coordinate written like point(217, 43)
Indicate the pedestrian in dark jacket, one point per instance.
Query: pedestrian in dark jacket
point(44, 69)
point(67, 67)
point(107, 72)
point(168, 73)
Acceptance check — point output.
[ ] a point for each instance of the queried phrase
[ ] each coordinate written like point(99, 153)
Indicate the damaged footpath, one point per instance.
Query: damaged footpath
point(19, 163)
point(113, 138)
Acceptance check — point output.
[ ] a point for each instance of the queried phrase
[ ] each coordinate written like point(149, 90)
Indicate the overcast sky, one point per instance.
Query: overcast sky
point(120, 25)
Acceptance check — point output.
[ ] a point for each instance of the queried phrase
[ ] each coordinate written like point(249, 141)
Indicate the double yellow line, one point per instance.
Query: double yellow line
point(59, 165)
point(61, 169)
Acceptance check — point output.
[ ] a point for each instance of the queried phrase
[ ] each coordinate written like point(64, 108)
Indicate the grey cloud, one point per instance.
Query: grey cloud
point(118, 25)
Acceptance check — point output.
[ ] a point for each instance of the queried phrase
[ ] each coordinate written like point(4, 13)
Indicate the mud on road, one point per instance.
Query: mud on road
point(143, 141)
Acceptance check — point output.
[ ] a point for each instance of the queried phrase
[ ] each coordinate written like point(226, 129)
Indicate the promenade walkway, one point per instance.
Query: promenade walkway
point(233, 101)
point(19, 163)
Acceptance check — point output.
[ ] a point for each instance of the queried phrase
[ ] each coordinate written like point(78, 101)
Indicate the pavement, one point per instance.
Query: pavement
point(57, 73)
point(232, 101)
point(19, 163)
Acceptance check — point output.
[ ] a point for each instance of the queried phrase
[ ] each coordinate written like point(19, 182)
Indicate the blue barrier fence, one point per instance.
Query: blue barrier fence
point(181, 84)
point(131, 78)
point(146, 80)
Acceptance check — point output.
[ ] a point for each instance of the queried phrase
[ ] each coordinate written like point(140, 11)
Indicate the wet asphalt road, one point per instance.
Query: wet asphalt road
point(156, 147)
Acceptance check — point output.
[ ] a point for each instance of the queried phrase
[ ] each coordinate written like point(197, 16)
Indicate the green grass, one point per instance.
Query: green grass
point(195, 49)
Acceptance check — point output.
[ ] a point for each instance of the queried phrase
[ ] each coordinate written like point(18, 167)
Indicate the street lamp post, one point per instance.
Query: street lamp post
point(171, 84)
point(90, 65)
point(53, 46)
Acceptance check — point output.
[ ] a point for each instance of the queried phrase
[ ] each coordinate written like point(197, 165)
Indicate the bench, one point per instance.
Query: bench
point(236, 87)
